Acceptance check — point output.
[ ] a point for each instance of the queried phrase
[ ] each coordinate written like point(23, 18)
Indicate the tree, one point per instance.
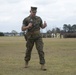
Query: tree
point(1, 34)
point(71, 31)
point(53, 30)
point(14, 32)
point(65, 27)
point(74, 28)
point(49, 32)
point(69, 28)
point(57, 30)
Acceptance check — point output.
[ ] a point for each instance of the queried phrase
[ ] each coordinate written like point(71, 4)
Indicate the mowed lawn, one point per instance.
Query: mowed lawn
point(60, 56)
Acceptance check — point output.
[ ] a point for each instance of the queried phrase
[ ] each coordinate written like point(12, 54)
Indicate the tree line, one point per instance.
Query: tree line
point(67, 30)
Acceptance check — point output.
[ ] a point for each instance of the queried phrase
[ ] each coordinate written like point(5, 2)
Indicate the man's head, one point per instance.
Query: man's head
point(33, 11)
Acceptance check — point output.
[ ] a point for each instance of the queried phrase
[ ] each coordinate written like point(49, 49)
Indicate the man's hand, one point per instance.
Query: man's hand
point(26, 27)
point(45, 24)
point(29, 25)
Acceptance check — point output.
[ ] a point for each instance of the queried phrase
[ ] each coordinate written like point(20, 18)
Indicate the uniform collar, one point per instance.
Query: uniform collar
point(33, 17)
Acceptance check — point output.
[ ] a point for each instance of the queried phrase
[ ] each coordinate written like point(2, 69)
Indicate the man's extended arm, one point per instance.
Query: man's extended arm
point(44, 25)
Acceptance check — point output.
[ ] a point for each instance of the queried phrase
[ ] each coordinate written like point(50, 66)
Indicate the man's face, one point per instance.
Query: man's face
point(33, 13)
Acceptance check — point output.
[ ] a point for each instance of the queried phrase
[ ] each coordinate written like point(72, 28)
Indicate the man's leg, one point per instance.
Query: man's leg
point(39, 46)
point(29, 46)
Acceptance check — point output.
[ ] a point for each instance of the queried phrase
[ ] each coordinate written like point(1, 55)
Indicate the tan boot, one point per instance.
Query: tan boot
point(26, 64)
point(43, 67)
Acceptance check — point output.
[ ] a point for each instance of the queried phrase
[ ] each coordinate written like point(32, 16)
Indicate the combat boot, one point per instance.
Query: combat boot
point(43, 67)
point(26, 64)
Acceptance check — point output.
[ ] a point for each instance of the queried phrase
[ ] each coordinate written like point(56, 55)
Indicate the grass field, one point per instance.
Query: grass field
point(60, 55)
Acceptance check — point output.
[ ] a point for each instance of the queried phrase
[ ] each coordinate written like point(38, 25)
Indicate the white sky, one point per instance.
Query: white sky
point(54, 12)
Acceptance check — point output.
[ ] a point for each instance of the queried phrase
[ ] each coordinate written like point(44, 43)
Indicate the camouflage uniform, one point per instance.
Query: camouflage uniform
point(34, 36)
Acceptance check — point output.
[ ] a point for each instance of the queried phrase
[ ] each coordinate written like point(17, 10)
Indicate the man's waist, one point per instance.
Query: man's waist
point(34, 32)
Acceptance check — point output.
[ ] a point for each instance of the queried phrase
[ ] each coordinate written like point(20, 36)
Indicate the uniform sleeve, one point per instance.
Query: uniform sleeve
point(41, 22)
point(25, 22)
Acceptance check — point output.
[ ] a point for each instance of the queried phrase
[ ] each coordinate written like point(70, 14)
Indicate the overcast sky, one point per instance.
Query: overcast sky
point(54, 12)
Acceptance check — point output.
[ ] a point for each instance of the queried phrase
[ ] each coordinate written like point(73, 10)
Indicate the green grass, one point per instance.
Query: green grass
point(60, 55)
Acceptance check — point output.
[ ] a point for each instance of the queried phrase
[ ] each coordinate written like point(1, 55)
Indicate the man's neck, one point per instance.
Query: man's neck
point(32, 16)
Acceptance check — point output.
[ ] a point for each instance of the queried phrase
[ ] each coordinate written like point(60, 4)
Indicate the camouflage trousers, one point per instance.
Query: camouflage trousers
point(39, 46)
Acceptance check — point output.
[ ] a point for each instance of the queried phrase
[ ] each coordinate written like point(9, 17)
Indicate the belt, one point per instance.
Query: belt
point(35, 32)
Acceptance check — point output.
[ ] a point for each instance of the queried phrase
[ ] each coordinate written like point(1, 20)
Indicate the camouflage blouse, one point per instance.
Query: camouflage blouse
point(36, 21)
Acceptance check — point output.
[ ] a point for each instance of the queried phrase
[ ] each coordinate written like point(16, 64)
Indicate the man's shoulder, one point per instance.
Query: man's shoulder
point(27, 18)
point(38, 17)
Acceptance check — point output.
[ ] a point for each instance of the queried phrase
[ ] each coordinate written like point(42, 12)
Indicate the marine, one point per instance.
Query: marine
point(32, 25)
